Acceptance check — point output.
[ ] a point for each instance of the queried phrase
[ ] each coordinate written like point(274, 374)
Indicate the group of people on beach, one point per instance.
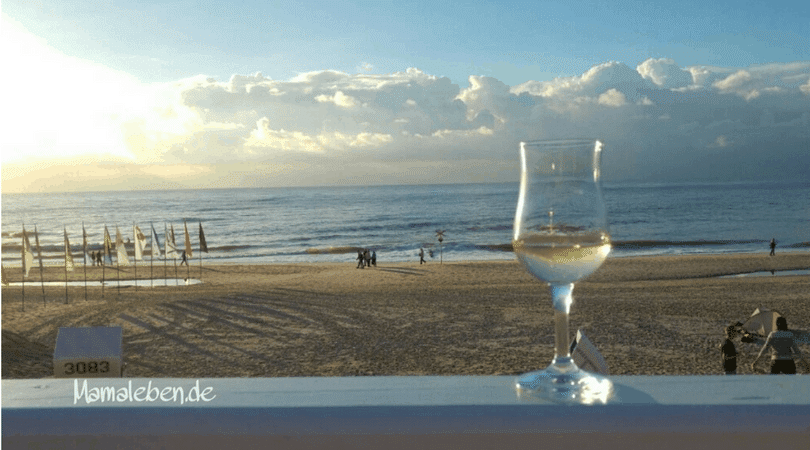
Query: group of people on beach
point(784, 351)
point(97, 258)
point(422, 256)
point(366, 258)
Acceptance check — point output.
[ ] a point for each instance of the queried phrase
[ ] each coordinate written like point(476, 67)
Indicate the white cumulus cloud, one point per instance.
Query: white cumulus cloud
point(664, 73)
point(613, 98)
point(339, 99)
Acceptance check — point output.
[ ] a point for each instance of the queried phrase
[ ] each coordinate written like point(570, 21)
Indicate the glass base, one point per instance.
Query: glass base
point(564, 382)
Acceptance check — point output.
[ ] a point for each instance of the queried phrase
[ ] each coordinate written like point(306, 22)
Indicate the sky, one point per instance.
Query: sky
point(108, 95)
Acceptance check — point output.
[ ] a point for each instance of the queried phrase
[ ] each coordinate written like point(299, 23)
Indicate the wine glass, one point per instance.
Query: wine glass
point(560, 237)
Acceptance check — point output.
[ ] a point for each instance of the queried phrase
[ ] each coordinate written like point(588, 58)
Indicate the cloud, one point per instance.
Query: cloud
point(339, 99)
point(330, 127)
point(613, 98)
point(720, 142)
point(805, 87)
point(597, 80)
point(772, 79)
point(664, 73)
point(295, 141)
point(738, 83)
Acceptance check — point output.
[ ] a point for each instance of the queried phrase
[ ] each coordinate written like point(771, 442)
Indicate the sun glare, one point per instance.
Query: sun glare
point(56, 106)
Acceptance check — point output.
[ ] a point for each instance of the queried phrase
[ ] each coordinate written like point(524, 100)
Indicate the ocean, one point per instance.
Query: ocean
point(324, 224)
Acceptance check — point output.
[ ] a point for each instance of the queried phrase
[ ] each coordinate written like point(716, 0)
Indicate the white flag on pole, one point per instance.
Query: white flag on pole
point(140, 243)
point(156, 252)
point(171, 246)
point(107, 247)
point(27, 254)
point(120, 248)
point(84, 246)
point(68, 255)
point(188, 241)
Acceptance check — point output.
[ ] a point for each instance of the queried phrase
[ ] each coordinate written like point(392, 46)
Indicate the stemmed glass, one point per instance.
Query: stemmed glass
point(560, 237)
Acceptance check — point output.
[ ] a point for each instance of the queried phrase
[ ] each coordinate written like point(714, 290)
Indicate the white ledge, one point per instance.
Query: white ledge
point(434, 411)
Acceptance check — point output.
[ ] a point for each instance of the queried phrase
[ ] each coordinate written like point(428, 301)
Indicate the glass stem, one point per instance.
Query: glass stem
point(561, 296)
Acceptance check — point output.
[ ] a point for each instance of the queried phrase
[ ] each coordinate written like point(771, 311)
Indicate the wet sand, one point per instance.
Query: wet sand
point(646, 315)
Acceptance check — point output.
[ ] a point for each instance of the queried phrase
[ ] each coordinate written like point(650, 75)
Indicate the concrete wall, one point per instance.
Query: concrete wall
point(402, 412)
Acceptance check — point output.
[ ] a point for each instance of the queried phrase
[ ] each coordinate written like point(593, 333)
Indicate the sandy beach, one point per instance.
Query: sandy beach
point(646, 315)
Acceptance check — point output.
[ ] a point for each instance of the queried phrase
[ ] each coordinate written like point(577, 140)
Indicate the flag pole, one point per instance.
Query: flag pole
point(118, 267)
point(165, 254)
point(41, 274)
point(203, 248)
point(152, 258)
point(187, 249)
point(118, 256)
point(103, 261)
point(174, 245)
point(23, 267)
point(84, 251)
point(67, 249)
point(135, 240)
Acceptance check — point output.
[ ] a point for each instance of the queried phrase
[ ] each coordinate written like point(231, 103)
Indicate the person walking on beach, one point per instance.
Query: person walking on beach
point(360, 260)
point(184, 259)
point(374, 258)
point(729, 352)
point(784, 349)
point(367, 257)
point(422, 256)
point(773, 247)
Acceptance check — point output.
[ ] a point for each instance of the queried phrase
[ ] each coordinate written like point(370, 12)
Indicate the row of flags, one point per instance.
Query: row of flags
point(170, 250)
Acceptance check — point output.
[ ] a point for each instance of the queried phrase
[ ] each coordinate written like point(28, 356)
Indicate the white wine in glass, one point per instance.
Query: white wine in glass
point(560, 237)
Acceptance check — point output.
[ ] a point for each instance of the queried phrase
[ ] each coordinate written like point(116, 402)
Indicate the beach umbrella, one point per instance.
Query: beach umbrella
point(761, 322)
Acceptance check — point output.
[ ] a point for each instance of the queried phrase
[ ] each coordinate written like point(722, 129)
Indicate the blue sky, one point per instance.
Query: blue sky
point(139, 86)
point(512, 41)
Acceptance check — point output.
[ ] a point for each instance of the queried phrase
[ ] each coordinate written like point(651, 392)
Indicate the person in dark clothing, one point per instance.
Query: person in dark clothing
point(783, 350)
point(773, 247)
point(421, 256)
point(374, 258)
point(360, 260)
point(184, 258)
point(729, 352)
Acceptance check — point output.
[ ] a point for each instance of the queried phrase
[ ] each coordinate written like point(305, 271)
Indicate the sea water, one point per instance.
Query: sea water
point(326, 224)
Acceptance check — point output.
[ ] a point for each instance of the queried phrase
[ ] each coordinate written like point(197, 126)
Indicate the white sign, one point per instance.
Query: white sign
point(89, 352)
